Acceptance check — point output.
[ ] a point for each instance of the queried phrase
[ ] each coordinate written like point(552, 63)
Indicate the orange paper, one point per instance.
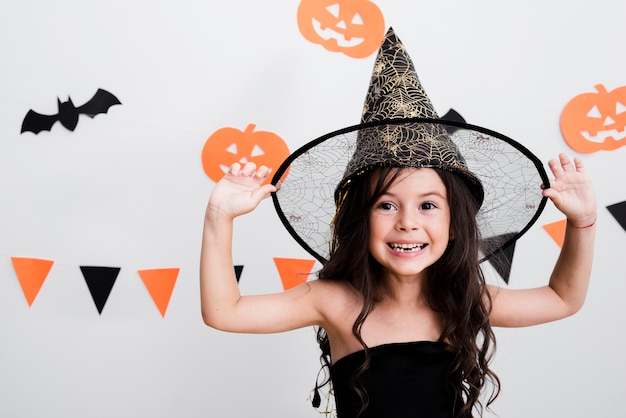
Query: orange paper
point(293, 271)
point(231, 145)
point(31, 272)
point(354, 28)
point(160, 284)
point(556, 231)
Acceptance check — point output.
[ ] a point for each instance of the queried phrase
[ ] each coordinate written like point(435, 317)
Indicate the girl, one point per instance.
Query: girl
point(403, 311)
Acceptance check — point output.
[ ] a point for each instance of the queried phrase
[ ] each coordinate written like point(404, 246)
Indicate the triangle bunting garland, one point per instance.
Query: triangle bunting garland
point(238, 271)
point(160, 284)
point(100, 281)
point(31, 273)
point(556, 230)
point(293, 271)
point(618, 210)
point(502, 260)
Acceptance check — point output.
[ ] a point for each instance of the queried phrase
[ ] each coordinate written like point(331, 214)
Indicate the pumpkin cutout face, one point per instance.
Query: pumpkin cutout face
point(593, 122)
point(353, 27)
point(230, 145)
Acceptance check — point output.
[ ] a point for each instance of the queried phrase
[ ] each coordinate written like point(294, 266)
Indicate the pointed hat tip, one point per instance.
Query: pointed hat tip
point(391, 40)
point(395, 91)
point(390, 32)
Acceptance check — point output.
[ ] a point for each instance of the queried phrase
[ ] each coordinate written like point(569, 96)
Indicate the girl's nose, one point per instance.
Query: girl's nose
point(408, 221)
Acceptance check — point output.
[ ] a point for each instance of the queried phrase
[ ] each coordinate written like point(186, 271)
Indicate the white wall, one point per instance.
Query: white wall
point(127, 189)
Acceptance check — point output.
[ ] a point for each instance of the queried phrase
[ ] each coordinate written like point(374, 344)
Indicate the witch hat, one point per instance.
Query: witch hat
point(400, 128)
point(395, 93)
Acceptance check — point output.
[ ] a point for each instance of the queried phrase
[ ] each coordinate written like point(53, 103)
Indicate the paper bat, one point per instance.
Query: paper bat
point(68, 113)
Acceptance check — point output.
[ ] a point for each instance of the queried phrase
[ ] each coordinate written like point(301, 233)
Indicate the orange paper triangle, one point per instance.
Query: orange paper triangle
point(160, 284)
point(556, 231)
point(31, 272)
point(293, 271)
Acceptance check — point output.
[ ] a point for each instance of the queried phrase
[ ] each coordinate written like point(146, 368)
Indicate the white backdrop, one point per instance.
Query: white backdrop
point(127, 189)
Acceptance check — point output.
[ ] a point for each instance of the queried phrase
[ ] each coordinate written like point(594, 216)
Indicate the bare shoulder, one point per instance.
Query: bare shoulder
point(335, 299)
point(332, 292)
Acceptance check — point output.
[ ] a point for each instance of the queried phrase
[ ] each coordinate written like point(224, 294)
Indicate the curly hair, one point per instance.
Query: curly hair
point(455, 287)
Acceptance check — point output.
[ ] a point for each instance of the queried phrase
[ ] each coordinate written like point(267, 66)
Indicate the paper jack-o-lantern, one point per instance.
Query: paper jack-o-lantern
point(230, 145)
point(353, 27)
point(593, 122)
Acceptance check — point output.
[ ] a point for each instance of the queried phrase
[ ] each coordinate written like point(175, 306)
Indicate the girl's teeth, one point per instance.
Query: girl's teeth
point(407, 247)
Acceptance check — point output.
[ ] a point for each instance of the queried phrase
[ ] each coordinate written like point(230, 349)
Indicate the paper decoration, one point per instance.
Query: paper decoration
point(100, 281)
point(68, 114)
point(31, 273)
point(353, 28)
point(230, 145)
point(618, 210)
point(293, 271)
point(595, 121)
point(238, 271)
point(502, 260)
point(453, 116)
point(556, 230)
point(160, 284)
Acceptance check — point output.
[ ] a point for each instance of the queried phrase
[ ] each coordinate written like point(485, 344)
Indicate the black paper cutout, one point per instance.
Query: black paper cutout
point(100, 281)
point(454, 116)
point(238, 270)
point(68, 113)
point(618, 211)
point(502, 259)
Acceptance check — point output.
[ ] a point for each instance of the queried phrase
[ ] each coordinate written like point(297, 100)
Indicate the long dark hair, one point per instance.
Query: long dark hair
point(455, 287)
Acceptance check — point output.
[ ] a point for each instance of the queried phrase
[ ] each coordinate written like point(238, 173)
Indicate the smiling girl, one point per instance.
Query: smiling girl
point(403, 312)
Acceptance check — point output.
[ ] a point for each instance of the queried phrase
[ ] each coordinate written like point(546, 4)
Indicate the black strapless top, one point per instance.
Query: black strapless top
point(404, 380)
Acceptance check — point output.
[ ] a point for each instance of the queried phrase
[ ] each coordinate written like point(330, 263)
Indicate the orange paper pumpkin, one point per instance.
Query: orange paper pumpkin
point(593, 122)
point(230, 145)
point(353, 27)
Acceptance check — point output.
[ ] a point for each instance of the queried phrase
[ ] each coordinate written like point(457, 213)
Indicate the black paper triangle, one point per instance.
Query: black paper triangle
point(238, 270)
point(502, 259)
point(452, 115)
point(618, 211)
point(100, 281)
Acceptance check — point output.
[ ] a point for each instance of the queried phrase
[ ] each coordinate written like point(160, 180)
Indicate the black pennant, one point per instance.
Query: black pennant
point(238, 270)
point(618, 211)
point(100, 281)
point(502, 259)
point(452, 115)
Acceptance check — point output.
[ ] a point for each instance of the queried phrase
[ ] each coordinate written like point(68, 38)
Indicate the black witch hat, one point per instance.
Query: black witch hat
point(400, 128)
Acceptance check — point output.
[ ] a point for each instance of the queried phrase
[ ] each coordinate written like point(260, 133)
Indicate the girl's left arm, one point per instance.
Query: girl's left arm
point(573, 194)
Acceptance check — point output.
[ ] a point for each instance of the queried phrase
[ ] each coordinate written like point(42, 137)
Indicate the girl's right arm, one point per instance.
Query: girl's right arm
point(223, 307)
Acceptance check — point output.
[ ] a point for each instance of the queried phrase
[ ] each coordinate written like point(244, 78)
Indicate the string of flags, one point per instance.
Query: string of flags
point(160, 282)
point(33, 272)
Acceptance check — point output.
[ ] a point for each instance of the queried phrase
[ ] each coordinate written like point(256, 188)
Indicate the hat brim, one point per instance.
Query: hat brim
point(510, 175)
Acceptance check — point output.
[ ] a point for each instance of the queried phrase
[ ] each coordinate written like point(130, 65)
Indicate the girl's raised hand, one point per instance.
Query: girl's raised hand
point(571, 191)
point(240, 190)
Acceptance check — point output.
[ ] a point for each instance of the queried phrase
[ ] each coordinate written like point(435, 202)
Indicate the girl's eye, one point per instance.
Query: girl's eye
point(428, 206)
point(386, 206)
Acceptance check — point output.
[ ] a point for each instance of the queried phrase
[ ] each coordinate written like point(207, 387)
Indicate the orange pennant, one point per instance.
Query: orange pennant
point(160, 284)
point(293, 271)
point(557, 231)
point(31, 272)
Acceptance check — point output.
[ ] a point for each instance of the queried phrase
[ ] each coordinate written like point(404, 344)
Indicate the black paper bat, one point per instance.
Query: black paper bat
point(68, 113)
